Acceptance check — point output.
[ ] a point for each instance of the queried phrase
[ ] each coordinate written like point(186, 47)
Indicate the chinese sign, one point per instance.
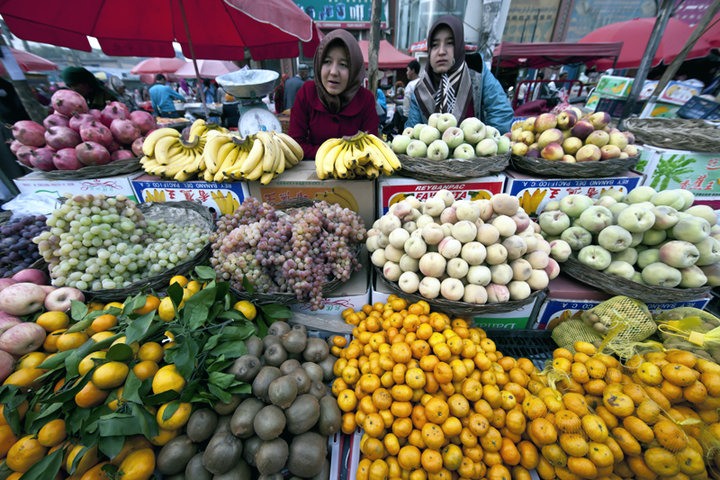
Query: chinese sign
point(694, 171)
point(341, 13)
point(530, 21)
point(110, 186)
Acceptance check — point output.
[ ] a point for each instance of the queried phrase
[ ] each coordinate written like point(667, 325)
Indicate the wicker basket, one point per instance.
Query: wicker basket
point(175, 212)
point(677, 134)
point(453, 169)
point(546, 168)
point(460, 309)
point(616, 285)
point(114, 169)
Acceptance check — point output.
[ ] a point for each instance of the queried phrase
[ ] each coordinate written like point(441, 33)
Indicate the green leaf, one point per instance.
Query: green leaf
point(240, 331)
point(80, 326)
point(119, 352)
point(175, 292)
point(147, 422)
point(64, 395)
point(47, 413)
point(76, 420)
point(118, 424)
point(242, 388)
point(261, 326)
point(222, 290)
point(10, 410)
point(205, 273)
point(230, 315)
point(170, 410)
point(230, 349)
point(137, 302)
point(185, 357)
point(5, 471)
point(111, 445)
point(195, 315)
point(131, 390)
point(222, 395)
point(276, 312)
point(138, 327)
point(56, 360)
point(247, 286)
point(221, 380)
point(160, 398)
point(47, 467)
point(78, 310)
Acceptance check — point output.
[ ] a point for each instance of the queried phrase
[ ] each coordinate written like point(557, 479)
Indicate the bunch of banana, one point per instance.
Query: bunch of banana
point(341, 196)
point(261, 156)
point(169, 155)
point(362, 155)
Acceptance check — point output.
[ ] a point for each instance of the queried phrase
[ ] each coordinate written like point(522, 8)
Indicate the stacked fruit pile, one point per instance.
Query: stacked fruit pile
point(571, 137)
point(17, 250)
point(101, 243)
point(215, 155)
point(480, 251)
point(296, 251)
point(653, 238)
point(441, 138)
point(432, 396)
point(284, 424)
point(362, 155)
point(74, 136)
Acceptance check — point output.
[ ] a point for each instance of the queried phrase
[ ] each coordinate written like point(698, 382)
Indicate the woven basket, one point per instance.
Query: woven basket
point(182, 213)
point(460, 309)
point(616, 285)
point(452, 169)
point(114, 169)
point(677, 134)
point(546, 168)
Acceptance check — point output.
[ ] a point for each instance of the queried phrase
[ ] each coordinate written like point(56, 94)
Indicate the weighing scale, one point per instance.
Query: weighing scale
point(249, 86)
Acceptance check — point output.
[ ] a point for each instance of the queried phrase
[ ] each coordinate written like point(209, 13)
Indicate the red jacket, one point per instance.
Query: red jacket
point(311, 124)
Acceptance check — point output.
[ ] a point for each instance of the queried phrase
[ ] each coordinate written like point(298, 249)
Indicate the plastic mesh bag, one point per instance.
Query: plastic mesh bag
point(628, 322)
point(573, 330)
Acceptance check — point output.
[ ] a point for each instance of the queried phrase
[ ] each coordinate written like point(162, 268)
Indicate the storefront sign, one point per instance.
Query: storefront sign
point(341, 14)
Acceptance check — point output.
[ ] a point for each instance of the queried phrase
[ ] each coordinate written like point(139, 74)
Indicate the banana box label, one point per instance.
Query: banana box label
point(535, 193)
point(339, 195)
point(35, 182)
point(219, 198)
point(391, 192)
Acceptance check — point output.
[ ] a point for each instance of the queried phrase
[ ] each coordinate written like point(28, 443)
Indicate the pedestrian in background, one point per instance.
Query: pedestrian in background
point(293, 85)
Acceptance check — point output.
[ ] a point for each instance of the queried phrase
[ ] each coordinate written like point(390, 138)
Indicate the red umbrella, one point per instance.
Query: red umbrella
point(206, 69)
point(712, 33)
point(157, 65)
point(29, 62)
point(635, 35)
point(218, 29)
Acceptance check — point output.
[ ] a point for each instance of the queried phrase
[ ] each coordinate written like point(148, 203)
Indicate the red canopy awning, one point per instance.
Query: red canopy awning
point(389, 57)
point(539, 55)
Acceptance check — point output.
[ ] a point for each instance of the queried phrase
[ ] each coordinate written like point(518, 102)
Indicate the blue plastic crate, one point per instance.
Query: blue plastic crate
point(699, 108)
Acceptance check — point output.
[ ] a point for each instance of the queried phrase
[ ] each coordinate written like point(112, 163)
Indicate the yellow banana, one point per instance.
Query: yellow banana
point(321, 168)
point(182, 161)
point(233, 171)
point(328, 162)
point(372, 172)
point(270, 153)
point(182, 176)
point(348, 196)
point(197, 128)
point(227, 162)
point(341, 170)
point(387, 151)
point(254, 158)
point(292, 144)
point(154, 136)
point(162, 148)
point(256, 173)
point(210, 152)
point(266, 178)
point(289, 158)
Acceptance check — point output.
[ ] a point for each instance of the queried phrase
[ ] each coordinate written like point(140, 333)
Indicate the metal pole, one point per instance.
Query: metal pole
point(653, 43)
point(677, 61)
point(374, 46)
point(192, 54)
point(34, 109)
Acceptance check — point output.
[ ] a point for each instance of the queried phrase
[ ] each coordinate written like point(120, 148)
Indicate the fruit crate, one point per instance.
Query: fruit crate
point(614, 106)
point(699, 108)
point(537, 345)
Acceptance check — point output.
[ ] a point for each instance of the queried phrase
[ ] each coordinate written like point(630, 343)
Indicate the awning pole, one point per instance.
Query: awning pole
point(192, 54)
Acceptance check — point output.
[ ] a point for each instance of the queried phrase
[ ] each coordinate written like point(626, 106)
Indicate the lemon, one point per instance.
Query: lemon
point(179, 279)
point(246, 308)
point(52, 321)
point(168, 378)
point(177, 420)
point(110, 375)
point(166, 310)
point(87, 363)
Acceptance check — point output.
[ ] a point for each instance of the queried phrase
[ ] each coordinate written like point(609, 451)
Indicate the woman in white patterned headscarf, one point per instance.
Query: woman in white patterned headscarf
point(118, 87)
point(447, 85)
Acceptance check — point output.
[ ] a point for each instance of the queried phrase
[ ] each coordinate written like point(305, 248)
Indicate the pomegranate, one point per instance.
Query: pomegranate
point(114, 146)
point(97, 114)
point(124, 131)
point(121, 154)
point(67, 102)
point(14, 145)
point(29, 133)
point(121, 106)
point(24, 154)
point(80, 119)
point(42, 158)
point(66, 159)
point(91, 153)
point(143, 120)
point(136, 146)
point(61, 137)
point(96, 132)
point(112, 112)
point(56, 120)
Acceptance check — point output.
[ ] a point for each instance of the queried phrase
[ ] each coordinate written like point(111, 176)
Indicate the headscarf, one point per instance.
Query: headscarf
point(449, 92)
point(284, 77)
point(184, 86)
point(336, 103)
point(99, 94)
point(115, 84)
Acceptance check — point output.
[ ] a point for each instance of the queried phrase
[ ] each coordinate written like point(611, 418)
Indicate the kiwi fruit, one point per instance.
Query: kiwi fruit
point(294, 341)
point(250, 449)
point(222, 453)
point(278, 328)
point(318, 390)
point(275, 355)
point(269, 422)
point(300, 328)
point(254, 346)
point(307, 454)
point(241, 471)
point(223, 424)
point(271, 456)
point(195, 469)
point(263, 380)
point(316, 350)
point(201, 425)
point(274, 476)
point(228, 408)
point(303, 414)
point(270, 340)
point(324, 473)
point(289, 365)
point(177, 476)
point(282, 391)
point(327, 367)
point(330, 419)
point(245, 368)
point(175, 455)
point(302, 379)
point(241, 424)
point(314, 371)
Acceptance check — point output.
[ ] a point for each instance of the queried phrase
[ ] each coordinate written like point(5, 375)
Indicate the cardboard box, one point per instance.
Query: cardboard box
point(36, 182)
point(379, 292)
point(393, 189)
point(534, 193)
point(219, 198)
point(664, 110)
point(566, 297)
point(614, 86)
point(352, 294)
point(302, 182)
point(694, 171)
point(677, 93)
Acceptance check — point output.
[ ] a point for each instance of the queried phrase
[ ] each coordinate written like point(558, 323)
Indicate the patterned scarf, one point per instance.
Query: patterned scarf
point(445, 94)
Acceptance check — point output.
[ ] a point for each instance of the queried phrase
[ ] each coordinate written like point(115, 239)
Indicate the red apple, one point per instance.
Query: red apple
point(31, 275)
point(22, 338)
